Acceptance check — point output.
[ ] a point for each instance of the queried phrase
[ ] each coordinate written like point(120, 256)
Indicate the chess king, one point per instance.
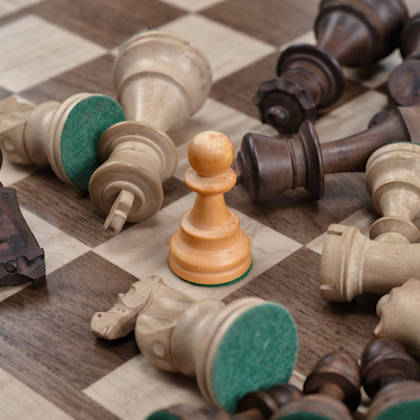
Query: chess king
point(233, 349)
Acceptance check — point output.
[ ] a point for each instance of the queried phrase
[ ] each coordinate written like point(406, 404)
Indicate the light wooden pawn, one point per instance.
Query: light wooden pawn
point(210, 248)
point(352, 264)
point(400, 315)
point(162, 80)
point(32, 135)
point(178, 334)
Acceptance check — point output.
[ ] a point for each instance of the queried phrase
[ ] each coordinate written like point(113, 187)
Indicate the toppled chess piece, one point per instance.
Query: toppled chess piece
point(404, 81)
point(352, 264)
point(210, 248)
point(269, 166)
point(202, 338)
point(391, 377)
point(21, 258)
point(399, 314)
point(331, 390)
point(162, 80)
point(352, 33)
point(256, 405)
point(65, 136)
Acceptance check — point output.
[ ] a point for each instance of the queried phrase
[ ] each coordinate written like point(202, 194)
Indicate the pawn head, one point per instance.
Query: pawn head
point(210, 153)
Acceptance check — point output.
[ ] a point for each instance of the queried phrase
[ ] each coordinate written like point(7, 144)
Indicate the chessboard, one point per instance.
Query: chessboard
point(51, 365)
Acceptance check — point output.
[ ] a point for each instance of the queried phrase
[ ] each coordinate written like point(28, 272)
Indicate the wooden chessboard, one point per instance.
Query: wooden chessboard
point(51, 366)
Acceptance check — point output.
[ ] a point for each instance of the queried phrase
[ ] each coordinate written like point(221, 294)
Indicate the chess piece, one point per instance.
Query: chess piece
point(256, 405)
point(268, 166)
point(162, 80)
point(207, 339)
point(399, 314)
point(351, 33)
point(210, 248)
point(391, 377)
point(352, 264)
point(333, 388)
point(65, 136)
point(404, 81)
point(333, 385)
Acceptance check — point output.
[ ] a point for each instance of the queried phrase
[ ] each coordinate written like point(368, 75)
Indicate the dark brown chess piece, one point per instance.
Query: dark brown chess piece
point(334, 388)
point(257, 405)
point(351, 33)
point(390, 377)
point(404, 81)
point(21, 258)
point(268, 166)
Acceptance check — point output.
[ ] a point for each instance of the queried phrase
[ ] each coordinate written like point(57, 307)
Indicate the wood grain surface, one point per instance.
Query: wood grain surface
point(52, 49)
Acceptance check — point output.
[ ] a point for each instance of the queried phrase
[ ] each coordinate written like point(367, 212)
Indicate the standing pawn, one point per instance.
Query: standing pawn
point(210, 248)
point(334, 388)
point(391, 376)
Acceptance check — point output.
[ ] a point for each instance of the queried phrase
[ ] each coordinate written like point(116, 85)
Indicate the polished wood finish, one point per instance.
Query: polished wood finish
point(162, 79)
point(268, 166)
point(404, 81)
point(333, 388)
point(257, 405)
point(353, 264)
point(21, 258)
point(210, 248)
point(390, 376)
point(351, 33)
point(333, 385)
point(399, 315)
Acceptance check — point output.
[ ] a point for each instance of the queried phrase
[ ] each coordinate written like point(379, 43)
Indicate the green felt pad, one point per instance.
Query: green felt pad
point(80, 136)
point(408, 410)
point(162, 415)
point(303, 416)
point(221, 284)
point(257, 352)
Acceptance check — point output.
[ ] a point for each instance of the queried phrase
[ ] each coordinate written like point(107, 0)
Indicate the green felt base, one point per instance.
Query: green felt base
point(162, 415)
point(80, 136)
point(303, 416)
point(408, 410)
point(258, 351)
point(218, 285)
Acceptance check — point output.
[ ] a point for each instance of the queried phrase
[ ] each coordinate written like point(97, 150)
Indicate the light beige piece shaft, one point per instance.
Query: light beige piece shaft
point(400, 315)
point(352, 264)
point(162, 80)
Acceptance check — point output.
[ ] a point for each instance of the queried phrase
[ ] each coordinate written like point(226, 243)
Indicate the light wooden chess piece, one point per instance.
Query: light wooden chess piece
point(207, 339)
point(391, 378)
point(64, 136)
point(162, 80)
point(210, 248)
point(352, 264)
point(400, 315)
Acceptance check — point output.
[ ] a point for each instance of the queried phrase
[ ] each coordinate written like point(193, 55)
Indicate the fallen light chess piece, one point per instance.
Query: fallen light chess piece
point(21, 258)
point(400, 317)
point(207, 339)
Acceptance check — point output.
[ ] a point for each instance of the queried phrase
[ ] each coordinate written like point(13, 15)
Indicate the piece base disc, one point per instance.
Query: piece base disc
point(257, 351)
point(217, 285)
point(80, 136)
